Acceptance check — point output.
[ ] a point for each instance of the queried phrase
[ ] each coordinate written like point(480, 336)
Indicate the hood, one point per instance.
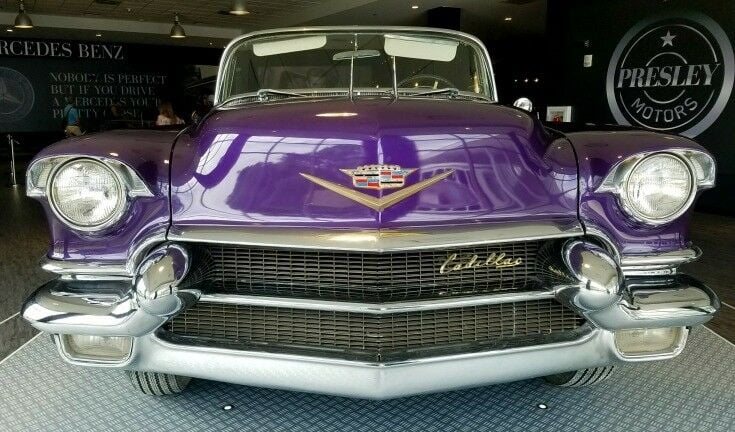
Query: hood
point(277, 164)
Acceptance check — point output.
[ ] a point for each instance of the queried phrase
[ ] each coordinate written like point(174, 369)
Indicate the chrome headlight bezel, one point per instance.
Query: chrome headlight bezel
point(701, 169)
point(42, 173)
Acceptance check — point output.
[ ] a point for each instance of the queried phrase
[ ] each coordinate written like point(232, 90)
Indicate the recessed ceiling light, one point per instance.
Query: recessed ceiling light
point(238, 8)
point(509, 18)
point(414, 6)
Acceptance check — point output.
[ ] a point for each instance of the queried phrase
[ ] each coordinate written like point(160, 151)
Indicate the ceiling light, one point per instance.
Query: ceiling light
point(22, 20)
point(238, 8)
point(9, 30)
point(177, 32)
point(98, 35)
point(415, 7)
point(509, 18)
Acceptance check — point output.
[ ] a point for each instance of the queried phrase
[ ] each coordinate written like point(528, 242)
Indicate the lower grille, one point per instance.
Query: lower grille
point(369, 336)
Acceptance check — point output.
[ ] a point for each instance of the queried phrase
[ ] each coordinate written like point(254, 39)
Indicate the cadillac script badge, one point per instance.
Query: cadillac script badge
point(378, 176)
point(499, 260)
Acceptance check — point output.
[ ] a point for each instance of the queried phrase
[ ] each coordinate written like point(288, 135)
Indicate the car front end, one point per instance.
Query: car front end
point(393, 232)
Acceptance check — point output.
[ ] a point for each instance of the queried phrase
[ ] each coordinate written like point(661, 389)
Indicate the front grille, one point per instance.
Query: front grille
point(375, 337)
point(360, 276)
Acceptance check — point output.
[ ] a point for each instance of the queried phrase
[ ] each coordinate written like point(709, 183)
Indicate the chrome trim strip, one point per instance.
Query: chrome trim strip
point(377, 240)
point(375, 308)
point(62, 267)
point(666, 259)
point(352, 29)
point(111, 270)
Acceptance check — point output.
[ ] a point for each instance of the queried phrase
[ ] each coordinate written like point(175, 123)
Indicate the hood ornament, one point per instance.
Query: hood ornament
point(378, 177)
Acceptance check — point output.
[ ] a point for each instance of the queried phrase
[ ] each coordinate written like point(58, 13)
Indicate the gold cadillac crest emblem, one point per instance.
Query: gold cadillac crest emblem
point(378, 177)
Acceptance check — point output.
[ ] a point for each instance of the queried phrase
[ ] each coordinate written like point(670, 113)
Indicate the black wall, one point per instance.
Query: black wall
point(137, 77)
point(579, 27)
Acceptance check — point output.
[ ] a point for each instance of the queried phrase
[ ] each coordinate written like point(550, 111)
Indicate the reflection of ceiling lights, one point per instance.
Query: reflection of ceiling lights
point(238, 8)
point(337, 114)
point(177, 32)
point(23, 21)
point(415, 7)
point(9, 30)
point(509, 18)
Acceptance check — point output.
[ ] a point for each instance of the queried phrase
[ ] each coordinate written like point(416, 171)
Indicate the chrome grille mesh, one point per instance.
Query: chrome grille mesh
point(358, 276)
point(369, 335)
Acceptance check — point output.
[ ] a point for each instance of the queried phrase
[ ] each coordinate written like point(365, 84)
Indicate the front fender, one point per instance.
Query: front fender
point(600, 212)
point(147, 153)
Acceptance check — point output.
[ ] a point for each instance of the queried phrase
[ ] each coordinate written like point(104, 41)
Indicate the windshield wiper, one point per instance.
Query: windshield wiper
point(451, 91)
point(447, 90)
point(262, 95)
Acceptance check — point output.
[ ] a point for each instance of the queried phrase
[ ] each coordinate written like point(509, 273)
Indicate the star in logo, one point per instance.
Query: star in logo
point(668, 39)
point(5, 95)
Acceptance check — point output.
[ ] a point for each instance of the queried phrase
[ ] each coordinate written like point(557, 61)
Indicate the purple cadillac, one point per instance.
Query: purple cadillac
point(359, 217)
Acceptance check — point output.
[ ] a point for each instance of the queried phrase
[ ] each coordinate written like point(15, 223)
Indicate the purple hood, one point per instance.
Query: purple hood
point(242, 166)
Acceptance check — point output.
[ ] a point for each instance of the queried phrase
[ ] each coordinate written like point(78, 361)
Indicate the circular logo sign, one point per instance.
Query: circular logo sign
point(16, 95)
point(672, 74)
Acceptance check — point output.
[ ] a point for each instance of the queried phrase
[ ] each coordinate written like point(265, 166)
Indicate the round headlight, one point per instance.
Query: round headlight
point(659, 189)
point(87, 195)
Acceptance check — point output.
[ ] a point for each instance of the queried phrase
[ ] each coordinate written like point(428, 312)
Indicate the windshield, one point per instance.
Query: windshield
point(356, 63)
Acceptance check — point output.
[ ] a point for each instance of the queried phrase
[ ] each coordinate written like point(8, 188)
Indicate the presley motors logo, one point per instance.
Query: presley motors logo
point(671, 74)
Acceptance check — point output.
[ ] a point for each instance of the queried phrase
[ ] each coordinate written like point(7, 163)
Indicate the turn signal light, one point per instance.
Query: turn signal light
point(111, 349)
point(649, 342)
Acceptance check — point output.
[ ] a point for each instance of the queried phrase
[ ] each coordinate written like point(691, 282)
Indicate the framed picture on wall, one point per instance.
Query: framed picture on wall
point(559, 114)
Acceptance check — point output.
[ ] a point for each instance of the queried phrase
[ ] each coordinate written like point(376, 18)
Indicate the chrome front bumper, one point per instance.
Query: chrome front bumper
point(120, 308)
point(372, 380)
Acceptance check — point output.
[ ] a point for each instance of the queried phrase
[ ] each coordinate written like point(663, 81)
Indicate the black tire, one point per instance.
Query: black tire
point(581, 378)
point(158, 384)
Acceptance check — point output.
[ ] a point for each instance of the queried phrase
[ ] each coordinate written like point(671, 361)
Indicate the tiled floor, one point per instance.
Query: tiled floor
point(23, 241)
point(690, 393)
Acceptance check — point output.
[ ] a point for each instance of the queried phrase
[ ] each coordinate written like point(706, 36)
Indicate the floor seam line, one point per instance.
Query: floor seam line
point(719, 336)
point(728, 305)
point(18, 313)
point(20, 348)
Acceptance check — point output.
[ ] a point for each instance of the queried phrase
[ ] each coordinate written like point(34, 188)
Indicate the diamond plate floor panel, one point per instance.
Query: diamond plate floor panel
point(695, 392)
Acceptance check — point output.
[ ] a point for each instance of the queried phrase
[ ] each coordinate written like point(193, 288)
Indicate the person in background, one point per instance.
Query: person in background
point(71, 118)
point(166, 115)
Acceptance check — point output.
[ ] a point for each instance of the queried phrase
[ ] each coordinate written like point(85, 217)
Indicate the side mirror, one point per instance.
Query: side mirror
point(524, 104)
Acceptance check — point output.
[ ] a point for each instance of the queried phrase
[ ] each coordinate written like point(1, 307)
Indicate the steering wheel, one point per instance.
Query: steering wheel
point(427, 81)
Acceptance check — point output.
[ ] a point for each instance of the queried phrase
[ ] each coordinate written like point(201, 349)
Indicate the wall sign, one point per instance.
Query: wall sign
point(671, 74)
point(16, 95)
point(60, 49)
